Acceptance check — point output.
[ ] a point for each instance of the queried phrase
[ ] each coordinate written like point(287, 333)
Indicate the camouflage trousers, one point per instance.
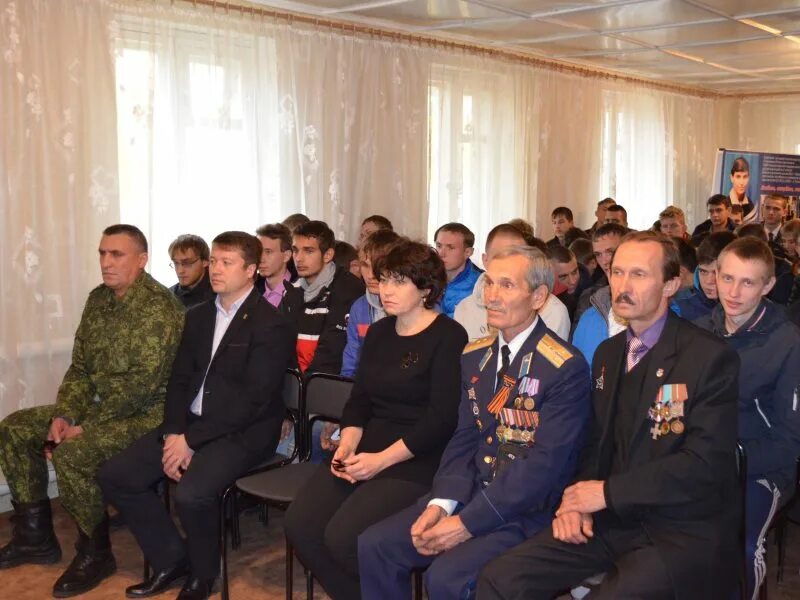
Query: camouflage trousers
point(76, 461)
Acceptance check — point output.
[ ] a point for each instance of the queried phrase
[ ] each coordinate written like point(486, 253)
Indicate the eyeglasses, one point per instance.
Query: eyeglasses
point(182, 263)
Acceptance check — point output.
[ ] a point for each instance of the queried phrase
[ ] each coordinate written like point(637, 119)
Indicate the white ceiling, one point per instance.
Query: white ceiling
point(728, 46)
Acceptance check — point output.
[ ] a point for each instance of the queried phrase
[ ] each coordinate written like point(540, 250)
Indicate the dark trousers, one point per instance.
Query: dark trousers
point(129, 479)
point(762, 500)
point(386, 558)
point(324, 522)
point(542, 567)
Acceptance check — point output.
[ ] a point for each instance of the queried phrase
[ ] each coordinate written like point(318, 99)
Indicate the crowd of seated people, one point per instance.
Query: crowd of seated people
point(567, 409)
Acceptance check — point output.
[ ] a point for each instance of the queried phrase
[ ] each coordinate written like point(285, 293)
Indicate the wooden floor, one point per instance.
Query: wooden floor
point(257, 569)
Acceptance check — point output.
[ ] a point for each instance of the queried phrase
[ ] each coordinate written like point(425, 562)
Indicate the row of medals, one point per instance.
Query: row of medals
point(506, 433)
point(668, 418)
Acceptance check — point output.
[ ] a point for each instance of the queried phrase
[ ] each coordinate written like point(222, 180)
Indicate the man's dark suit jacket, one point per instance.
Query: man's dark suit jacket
point(681, 488)
point(243, 391)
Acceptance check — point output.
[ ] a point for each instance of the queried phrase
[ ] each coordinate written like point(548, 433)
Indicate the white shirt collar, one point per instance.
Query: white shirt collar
point(515, 344)
point(235, 306)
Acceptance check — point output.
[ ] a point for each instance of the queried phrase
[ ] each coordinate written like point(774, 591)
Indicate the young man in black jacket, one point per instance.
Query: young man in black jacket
point(222, 416)
point(318, 303)
point(768, 345)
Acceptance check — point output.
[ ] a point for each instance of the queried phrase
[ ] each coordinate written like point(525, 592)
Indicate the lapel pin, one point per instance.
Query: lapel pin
point(600, 380)
point(660, 373)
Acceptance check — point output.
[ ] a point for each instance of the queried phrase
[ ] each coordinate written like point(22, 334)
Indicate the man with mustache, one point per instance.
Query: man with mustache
point(112, 393)
point(654, 503)
point(524, 408)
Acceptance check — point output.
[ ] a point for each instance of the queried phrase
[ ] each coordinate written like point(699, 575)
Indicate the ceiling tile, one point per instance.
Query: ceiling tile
point(746, 7)
point(513, 32)
point(723, 53)
point(426, 13)
point(575, 47)
point(787, 22)
point(652, 13)
point(689, 35)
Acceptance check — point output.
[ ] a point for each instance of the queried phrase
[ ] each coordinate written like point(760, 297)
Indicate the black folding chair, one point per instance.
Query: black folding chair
point(229, 509)
point(324, 397)
point(741, 477)
point(782, 520)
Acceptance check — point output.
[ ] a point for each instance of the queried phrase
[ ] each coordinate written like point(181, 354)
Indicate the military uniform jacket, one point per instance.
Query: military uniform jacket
point(679, 481)
point(548, 397)
point(243, 389)
point(123, 351)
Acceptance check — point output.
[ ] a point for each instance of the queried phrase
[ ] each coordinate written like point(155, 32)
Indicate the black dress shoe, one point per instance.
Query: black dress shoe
point(159, 582)
point(196, 589)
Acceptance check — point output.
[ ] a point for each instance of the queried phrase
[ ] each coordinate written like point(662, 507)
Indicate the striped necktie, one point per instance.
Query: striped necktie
point(636, 350)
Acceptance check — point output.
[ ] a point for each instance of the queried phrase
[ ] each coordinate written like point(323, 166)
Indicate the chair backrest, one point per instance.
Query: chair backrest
point(292, 389)
point(325, 395)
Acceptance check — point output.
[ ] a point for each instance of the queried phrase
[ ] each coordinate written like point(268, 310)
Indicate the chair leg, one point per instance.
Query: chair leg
point(236, 534)
point(417, 577)
point(780, 540)
point(223, 542)
point(289, 568)
point(309, 585)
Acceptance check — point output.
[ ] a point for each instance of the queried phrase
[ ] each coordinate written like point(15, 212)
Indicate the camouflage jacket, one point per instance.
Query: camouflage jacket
point(123, 353)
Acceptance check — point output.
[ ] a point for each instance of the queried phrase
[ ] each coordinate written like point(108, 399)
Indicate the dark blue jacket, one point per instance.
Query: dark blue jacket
point(526, 493)
point(769, 383)
point(696, 304)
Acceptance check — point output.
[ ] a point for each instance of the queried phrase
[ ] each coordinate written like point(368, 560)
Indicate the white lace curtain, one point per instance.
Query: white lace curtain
point(183, 119)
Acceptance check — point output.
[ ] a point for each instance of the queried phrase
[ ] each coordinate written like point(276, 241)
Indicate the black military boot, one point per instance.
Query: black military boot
point(92, 563)
point(33, 540)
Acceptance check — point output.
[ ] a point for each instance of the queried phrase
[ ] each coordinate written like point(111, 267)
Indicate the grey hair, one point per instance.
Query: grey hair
point(540, 271)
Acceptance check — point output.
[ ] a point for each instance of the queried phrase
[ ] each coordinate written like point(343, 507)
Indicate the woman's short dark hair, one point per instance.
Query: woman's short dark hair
point(419, 263)
point(740, 165)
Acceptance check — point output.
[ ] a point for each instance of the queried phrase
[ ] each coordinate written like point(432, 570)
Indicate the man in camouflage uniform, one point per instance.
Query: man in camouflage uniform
point(111, 395)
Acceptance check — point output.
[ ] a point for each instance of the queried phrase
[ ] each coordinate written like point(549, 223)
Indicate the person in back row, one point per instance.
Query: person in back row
point(455, 244)
point(719, 218)
point(273, 268)
point(402, 411)
point(562, 220)
point(189, 256)
point(769, 415)
point(471, 311)
point(318, 304)
point(704, 297)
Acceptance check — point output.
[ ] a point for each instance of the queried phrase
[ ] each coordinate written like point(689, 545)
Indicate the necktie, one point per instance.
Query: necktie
point(771, 237)
point(636, 350)
point(505, 353)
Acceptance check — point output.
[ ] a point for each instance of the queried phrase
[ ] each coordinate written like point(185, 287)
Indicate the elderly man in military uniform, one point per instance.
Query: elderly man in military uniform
point(111, 395)
point(524, 410)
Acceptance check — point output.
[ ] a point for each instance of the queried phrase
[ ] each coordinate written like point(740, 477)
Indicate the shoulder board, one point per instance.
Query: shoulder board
point(553, 351)
point(479, 343)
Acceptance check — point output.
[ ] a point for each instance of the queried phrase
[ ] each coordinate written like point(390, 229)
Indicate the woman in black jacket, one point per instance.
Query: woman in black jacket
point(402, 412)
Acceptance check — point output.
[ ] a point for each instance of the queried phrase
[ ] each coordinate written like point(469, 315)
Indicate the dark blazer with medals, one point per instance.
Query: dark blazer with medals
point(545, 412)
point(242, 394)
point(678, 481)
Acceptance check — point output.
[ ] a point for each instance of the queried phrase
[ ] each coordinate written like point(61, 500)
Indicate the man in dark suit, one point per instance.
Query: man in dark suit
point(654, 505)
point(502, 474)
point(222, 416)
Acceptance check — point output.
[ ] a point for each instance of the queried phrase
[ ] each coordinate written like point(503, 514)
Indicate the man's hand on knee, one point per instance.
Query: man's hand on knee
point(429, 517)
point(58, 428)
point(573, 527)
point(177, 453)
